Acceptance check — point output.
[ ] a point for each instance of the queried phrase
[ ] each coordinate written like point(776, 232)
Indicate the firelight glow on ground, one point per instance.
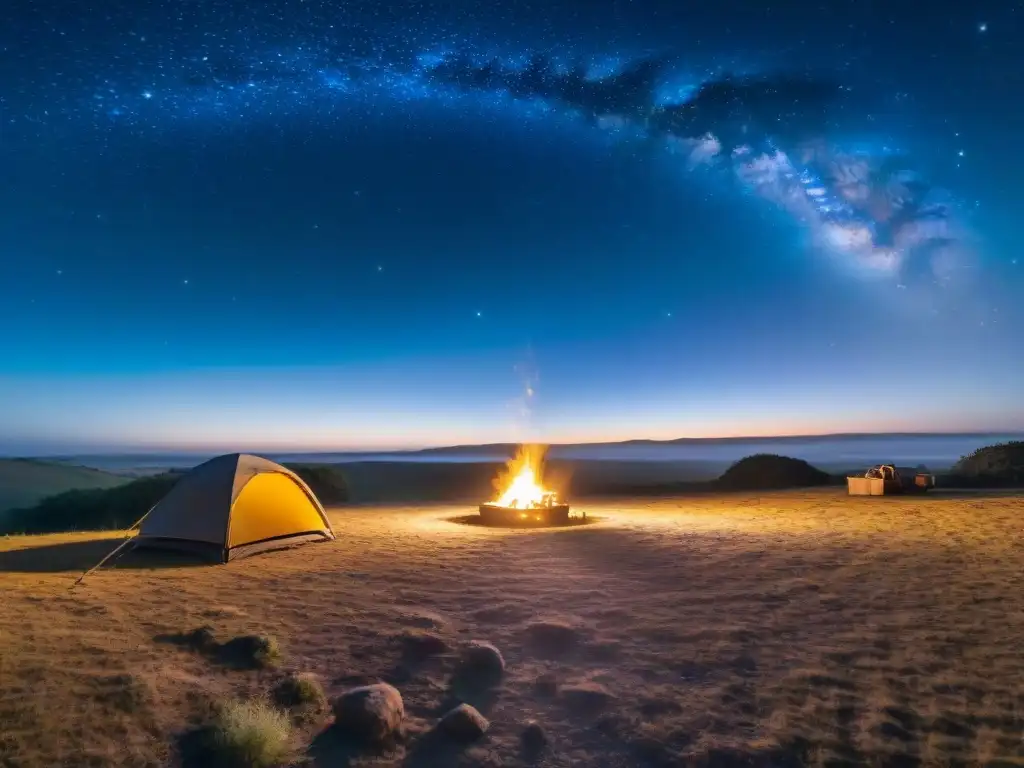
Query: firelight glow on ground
point(754, 627)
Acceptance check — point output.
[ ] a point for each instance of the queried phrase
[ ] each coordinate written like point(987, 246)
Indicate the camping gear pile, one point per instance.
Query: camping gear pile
point(885, 479)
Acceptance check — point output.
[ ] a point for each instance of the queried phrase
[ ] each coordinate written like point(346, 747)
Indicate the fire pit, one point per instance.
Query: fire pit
point(553, 514)
point(522, 498)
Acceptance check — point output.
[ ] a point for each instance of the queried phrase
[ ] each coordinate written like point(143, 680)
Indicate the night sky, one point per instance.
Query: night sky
point(295, 224)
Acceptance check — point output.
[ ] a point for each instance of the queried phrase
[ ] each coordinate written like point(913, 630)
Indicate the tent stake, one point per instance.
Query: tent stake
point(117, 549)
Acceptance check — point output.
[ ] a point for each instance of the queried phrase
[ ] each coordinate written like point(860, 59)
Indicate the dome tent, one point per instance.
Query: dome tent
point(233, 506)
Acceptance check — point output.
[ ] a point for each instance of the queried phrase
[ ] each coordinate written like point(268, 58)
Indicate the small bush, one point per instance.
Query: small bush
point(300, 691)
point(250, 734)
point(766, 471)
point(252, 651)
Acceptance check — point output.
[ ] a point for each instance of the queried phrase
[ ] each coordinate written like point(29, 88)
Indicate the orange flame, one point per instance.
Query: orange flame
point(520, 485)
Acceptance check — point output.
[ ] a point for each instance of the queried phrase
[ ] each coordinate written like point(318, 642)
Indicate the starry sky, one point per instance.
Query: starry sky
point(299, 224)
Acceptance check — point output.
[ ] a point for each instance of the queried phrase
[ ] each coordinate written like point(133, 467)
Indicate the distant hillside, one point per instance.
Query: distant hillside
point(993, 466)
point(497, 449)
point(24, 482)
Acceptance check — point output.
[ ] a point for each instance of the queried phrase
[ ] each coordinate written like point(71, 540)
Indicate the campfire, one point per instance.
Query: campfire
point(522, 498)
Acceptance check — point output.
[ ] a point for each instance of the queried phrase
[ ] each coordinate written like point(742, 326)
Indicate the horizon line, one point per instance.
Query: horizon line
point(165, 450)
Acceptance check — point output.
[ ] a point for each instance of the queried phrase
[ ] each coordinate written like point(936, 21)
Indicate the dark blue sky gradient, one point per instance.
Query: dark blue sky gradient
point(274, 226)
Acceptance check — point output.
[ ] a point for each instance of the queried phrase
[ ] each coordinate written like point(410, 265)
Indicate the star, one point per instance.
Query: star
point(184, 282)
point(479, 314)
point(960, 153)
point(983, 27)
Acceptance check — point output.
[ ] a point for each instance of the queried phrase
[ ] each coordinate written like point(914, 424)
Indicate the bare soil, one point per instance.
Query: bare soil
point(804, 628)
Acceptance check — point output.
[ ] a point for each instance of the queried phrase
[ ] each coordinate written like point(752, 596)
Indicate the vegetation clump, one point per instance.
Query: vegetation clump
point(252, 651)
point(249, 734)
point(300, 691)
point(767, 471)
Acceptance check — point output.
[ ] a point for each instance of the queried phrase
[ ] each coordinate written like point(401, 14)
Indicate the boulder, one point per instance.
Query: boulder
point(586, 696)
point(481, 665)
point(464, 723)
point(373, 714)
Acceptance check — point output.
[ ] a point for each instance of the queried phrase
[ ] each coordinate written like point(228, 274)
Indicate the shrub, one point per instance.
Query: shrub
point(766, 471)
point(252, 651)
point(300, 691)
point(250, 734)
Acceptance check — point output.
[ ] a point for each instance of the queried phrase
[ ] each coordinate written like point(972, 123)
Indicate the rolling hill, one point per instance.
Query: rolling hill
point(25, 482)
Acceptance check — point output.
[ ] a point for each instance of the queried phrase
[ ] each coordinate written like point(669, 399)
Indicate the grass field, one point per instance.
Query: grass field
point(784, 629)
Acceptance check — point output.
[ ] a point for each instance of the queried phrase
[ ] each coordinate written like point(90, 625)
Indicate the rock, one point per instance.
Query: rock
point(373, 714)
point(587, 696)
point(422, 645)
point(533, 737)
point(463, 724)
point(481, 665)
point(553, 638)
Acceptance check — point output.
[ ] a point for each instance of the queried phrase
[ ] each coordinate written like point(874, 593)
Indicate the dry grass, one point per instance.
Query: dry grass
point(249, 734)
point(787, 629)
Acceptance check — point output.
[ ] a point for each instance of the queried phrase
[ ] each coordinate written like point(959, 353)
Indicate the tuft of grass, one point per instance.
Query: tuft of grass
point(250, 734)
point(267, 652)
point(300, 691)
